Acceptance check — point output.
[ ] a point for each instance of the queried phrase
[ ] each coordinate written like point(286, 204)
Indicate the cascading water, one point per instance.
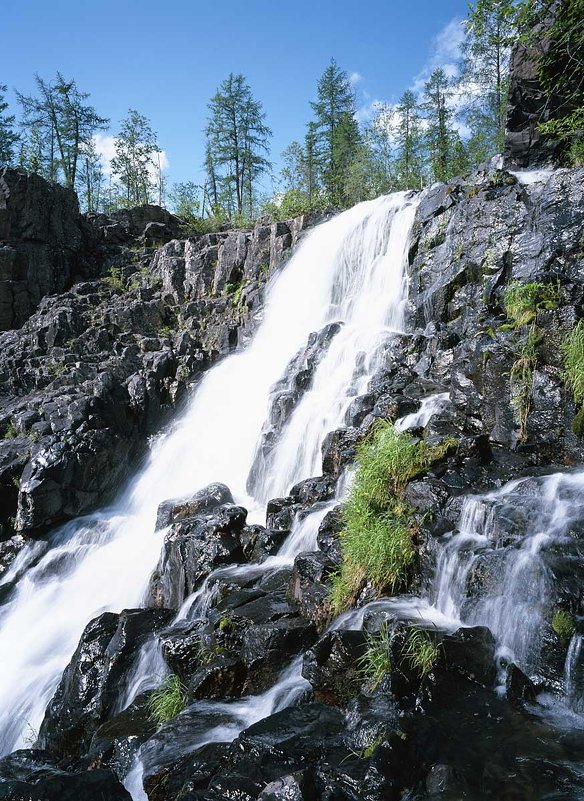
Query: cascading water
point(351, 269)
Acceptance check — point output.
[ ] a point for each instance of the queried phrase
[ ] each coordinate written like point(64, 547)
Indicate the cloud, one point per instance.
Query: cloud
point(105, 146)
point(444, 52)
point(355, 78)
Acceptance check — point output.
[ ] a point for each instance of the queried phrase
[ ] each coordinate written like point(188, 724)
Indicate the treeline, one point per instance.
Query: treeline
point(447, 128)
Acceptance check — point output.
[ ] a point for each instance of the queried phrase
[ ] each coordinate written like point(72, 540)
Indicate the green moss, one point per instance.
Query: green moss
point(10, 432)
point(523, 301)
point(115, 279)
point(573, 353)
point(378, 536)
point(420, 652)
point(563, 625)
point(167, 700)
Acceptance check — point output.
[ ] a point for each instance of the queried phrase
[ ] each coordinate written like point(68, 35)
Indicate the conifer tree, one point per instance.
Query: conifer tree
point(8, 136)
point(408, 138)
point(437, 92)
point(134, 164)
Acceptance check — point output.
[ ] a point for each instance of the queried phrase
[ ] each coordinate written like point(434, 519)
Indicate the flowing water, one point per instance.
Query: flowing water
point(350, 269)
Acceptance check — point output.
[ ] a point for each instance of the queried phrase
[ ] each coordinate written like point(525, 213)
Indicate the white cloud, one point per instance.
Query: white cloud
point(444, 52)
point(355, 78)
point(105, 146)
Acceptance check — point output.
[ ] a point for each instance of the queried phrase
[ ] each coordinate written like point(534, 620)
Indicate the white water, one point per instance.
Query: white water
point(428, 408)
point(350, 269)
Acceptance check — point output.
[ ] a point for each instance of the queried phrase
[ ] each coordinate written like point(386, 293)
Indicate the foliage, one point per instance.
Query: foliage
point(377, 539)
point(58, 125)
point(523, 301)
point(573, 353)
point(420, 651)
point(237, 147)
point(563, 625)
point(10, 432)
point(185, 201)
point(439, 132)
point(167, 700)
point(8, 136)
point(376, 661)
point(115, 279)
point(521, 377)
point(409, 144)
point(134, 163)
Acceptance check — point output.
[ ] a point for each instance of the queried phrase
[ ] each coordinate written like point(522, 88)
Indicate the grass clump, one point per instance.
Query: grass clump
point(115, 279)
point(573, 353)
point(11, 432)
point(378, 536)
point(523, 301)
point(563, 625)
point(420, 651)
point(376, 661)
point(167, 700)
point(522, 378)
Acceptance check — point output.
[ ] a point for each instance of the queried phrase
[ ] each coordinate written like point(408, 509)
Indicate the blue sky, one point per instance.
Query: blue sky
point(167, 58)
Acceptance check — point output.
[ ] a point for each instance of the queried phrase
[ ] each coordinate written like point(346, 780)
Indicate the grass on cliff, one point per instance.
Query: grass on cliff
point(376, 661)
point(523, 301)
point(563, 625)
point(521, 378)
point(167, 700)
point(378, 536)
point(420, 651)
point(573, 352)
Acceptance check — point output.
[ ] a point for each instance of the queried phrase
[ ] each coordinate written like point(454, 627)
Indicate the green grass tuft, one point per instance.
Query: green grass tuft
point(376, 661)
point(378, 535)
point(167, 700)
point(420, 651)
point(573, 353)
point(522, 378)
point(523, 301)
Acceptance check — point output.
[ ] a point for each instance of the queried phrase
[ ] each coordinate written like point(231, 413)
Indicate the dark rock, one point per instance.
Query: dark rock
point(201, 503)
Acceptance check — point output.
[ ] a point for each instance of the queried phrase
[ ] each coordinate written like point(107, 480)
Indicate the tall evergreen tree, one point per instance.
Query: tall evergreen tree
point(437, 92)
point(336, 131)
point(408, 138)
point(90, 178)
point(59, 119)
point(237, 146)
point(134, 164)
point(8, 136)
point(484, 76)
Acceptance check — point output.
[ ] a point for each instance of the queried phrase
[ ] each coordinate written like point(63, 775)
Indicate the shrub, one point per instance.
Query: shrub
point(573, 353)
point(10, 432)
point(376, 661)
point(377, 539)
point(523, 301)
point(115, 279)
point(167, 700)
point(563, 625)
point(420, 651)
point(522, 378)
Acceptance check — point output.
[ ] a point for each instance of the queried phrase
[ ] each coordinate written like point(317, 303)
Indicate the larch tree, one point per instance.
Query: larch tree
point(437, 92)
point(8, 136)
point(237, 146)
point(409, 145)
point(135, 162)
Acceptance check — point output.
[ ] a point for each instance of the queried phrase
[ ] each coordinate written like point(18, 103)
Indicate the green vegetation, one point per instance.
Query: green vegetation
point(167, 700)
point(563, 625)
point(115, 279)
point(10, 432)
point(523, 301)
point(420, 651)
point(376, 661)
point(521, 377)
point(377, 540)
point(573, 352)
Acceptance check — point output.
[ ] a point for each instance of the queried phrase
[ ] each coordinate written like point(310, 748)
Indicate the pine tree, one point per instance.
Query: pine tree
point(134, 164)
point(484, 77)
point(237, 146)
point(408, 137)
point(437, 92)
point(61, 123)
point(336, 132)
point(8, 136)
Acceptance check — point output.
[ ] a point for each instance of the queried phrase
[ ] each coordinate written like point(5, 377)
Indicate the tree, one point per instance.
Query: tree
point(185, 200)
point(407, 131)
point(8, 136)
point(336, 133)
point(485, 71)
point(135, 162)
point(91, 178)
point(437, 92)
point(237, 146)
point(61, 123)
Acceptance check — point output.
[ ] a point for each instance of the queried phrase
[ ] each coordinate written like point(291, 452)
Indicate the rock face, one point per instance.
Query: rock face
point(41, 243)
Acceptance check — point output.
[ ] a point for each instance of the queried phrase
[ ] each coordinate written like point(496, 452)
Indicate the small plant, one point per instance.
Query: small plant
point(573, 352)
point(521, 377)
point(165, 331)
point(167, 700)
point(523, 301)
point(376, 661)
point(115, 279)
point(563, 625)
point(420, 652)
point(225, 624)
point(11, 432)
point(56, 369)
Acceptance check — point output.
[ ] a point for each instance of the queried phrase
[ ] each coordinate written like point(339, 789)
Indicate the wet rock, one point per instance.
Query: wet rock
point(333, 667)
point(93, 681)
point(33, 775)
point(267, 647)
point(202, 502)
point(117, 741)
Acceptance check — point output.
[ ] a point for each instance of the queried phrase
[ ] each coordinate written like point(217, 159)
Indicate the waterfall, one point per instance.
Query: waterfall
point(351, 270)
